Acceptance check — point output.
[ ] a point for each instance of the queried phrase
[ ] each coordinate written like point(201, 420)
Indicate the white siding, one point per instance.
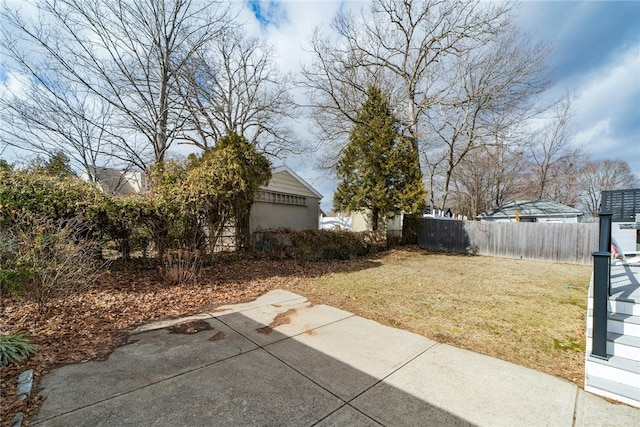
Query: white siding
point(626, 239)
point(284, 182)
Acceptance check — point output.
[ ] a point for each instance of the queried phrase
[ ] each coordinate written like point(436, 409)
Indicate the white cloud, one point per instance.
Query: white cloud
point(13, 84)
point(612, 88)
point(608, 109)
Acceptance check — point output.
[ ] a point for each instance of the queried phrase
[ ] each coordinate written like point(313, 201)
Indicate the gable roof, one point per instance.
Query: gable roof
point(279, 185)
point(531, 208)
point(118, 182)
point(123, 182)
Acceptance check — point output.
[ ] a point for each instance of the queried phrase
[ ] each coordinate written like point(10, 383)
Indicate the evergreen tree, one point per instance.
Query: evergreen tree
point(58, 165)
point(379, 169)
point(222, 183)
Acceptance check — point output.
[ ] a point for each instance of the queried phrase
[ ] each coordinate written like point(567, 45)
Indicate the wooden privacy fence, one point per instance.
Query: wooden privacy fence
point(562, 242)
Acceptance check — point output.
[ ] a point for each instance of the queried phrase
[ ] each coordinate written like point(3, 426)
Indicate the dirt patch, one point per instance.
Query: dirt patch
point(280, 319)
point(217, 337)
point(191, 327)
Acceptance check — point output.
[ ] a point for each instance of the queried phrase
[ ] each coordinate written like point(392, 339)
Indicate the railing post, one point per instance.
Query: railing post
point(605, 231)
point(601, 287)
point(601, 278)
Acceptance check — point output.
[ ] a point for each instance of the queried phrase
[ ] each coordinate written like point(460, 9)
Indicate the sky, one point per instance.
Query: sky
point(596, 56)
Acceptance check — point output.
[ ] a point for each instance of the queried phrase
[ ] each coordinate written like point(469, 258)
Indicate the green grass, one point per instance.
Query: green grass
point(527, 312)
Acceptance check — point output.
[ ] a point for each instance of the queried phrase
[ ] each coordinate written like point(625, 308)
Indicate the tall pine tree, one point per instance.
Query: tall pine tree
point(379, 169)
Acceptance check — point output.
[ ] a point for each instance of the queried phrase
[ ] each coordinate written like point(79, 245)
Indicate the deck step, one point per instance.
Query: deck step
point(623, 307)
point(617, 369)
point(618, 338)
point(623, 324)
point(614, 390)
point(618, 306)
point(618, 377)
point(624, 340)
point(623, 346)
point(618, 345)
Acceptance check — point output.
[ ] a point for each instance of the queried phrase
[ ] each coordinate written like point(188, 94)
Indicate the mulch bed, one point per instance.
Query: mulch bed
point(91, 324)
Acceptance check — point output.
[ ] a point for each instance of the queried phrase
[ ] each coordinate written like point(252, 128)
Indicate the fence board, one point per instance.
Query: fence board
point(565, 242)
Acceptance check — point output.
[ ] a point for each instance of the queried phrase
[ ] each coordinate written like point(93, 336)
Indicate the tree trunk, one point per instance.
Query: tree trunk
point(243, 231)
point(375, 218)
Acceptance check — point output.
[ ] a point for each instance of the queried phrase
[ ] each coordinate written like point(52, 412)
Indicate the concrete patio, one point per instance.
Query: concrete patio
point(280, 361)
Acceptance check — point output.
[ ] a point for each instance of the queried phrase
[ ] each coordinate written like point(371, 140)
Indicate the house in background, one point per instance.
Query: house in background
point(117, 182)
point(335, 220)
point(532, 211)
point(287, 201)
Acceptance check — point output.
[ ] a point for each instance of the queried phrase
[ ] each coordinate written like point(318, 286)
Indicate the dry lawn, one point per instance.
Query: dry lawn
point(530, 313)
point(526, 312)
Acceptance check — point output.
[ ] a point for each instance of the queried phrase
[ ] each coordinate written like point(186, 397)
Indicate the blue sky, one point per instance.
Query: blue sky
point(596, 56)
point(585, 35)
point(268, 13)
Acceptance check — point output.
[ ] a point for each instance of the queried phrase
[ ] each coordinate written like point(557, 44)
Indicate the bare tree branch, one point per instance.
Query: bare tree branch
point(128, 55)
point(235, 87)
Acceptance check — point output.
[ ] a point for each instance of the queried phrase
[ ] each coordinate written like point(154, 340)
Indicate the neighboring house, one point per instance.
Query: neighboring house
point(362, 221)
point(532, 211)
point(288, 201)
point(335, 220)
point(118, 182)
point(625, 222)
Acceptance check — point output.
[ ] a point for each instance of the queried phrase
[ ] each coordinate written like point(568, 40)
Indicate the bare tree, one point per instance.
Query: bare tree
point(45, 116)
point(128, 54)
point(563, 178)
point(401, 46)
point(487, 178)
point(489, 96)
point(604, 175)
point(550, 147)
point(235, 87)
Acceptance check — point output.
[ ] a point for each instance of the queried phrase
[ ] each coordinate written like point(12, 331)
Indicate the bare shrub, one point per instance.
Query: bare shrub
point(180, 266)
point(315, 245)
point(51, 258)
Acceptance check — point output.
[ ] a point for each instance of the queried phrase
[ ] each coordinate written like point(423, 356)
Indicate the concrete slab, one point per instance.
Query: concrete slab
point(351, 355)
point(262, 326)
point(277, 297)
point(251, 389)
point(149, 357)
point(592, 410)
point(161, 324)
point(451, 386)
point(347, 416)
point(325, 366)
